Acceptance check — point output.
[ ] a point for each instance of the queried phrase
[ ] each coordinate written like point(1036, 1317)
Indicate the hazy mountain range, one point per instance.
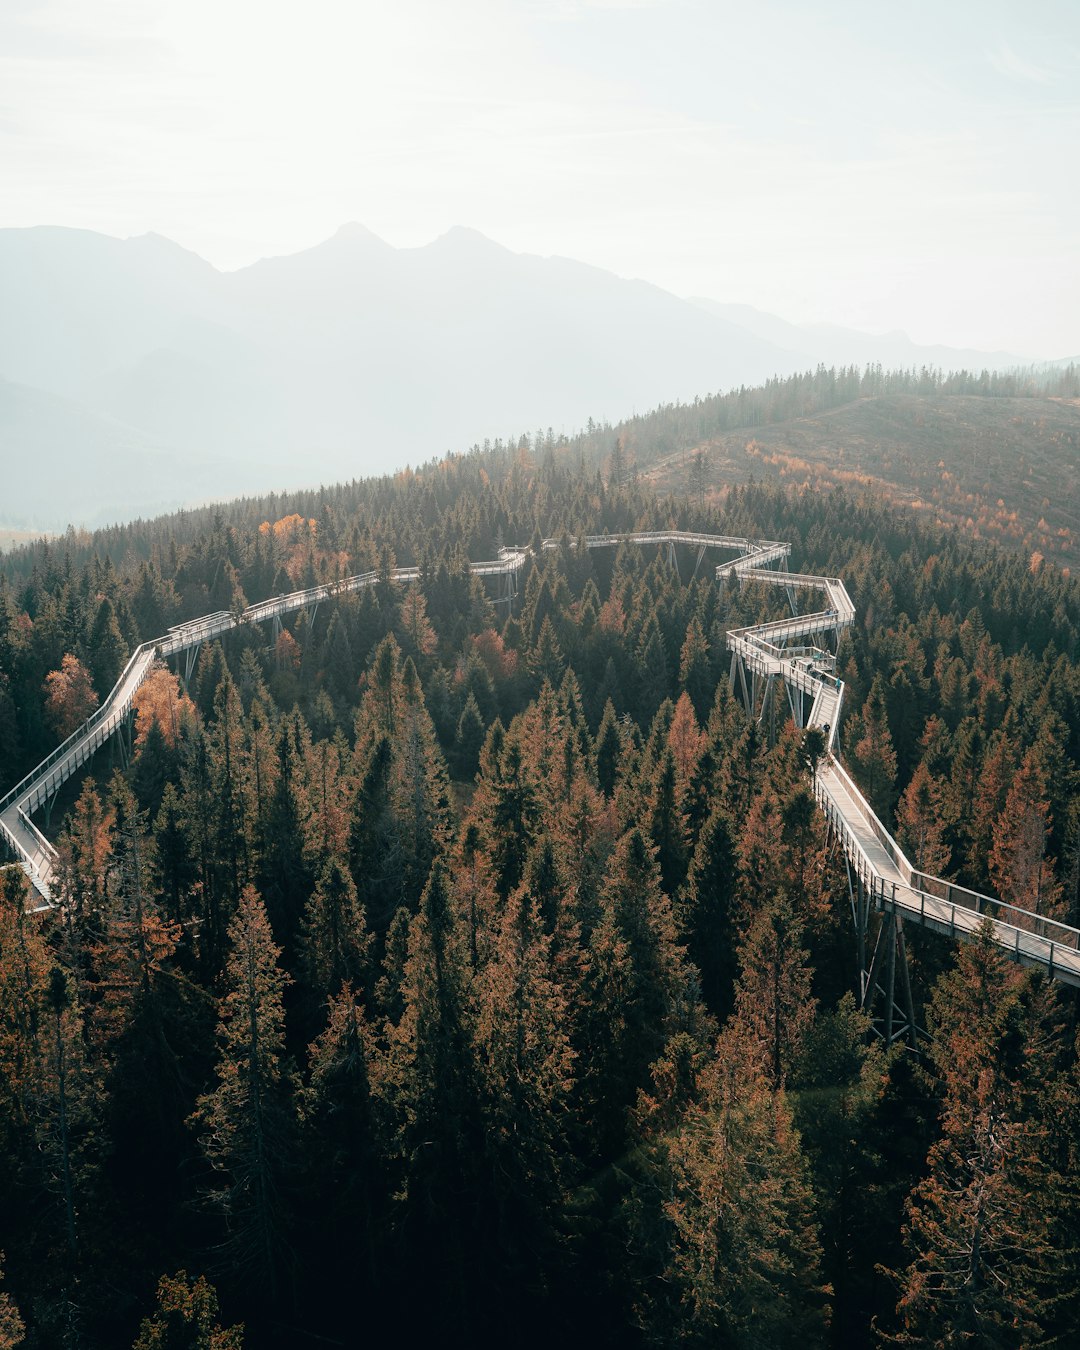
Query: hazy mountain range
point(135, 377)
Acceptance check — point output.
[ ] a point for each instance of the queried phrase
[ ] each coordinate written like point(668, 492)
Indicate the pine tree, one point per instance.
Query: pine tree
point(373, 843)
point(418, 638)
point(66, 1118)
point(545, 660)
point(608, 750)
point(336, 941)
point(983, 1263)
point(24, 971)
point(12, 1327)
point(469, 740)
point(638, 988)
point(920, 823)
point(85, 849)
point(740, 1257)
point(231, 834)
point(1020, 869)
point(773, 1001)
point(651, 670)
point(874, 754)
point(246, 1122)
point(506, 807)
point(695, 673)
point(107, 649)
point(431, 1091)
point(421, 791)
point(341, 1143)
point(284, 871)
point(686, 741)
point(667, 827)
point(338, 660)
point(841, 1112)
point(523, 1045)
point(185, 1318)
point(991, 790)
point(706, 913)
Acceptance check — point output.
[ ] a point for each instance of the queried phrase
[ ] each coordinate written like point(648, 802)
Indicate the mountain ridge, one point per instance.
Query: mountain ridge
point(344, 359)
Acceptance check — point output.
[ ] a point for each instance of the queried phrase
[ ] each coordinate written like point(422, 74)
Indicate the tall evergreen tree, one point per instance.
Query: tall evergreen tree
point(246, 1123)
point(874, 753)
point(983, 1265)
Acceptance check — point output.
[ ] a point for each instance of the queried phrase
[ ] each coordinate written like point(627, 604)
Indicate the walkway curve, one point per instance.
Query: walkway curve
point(776, 653)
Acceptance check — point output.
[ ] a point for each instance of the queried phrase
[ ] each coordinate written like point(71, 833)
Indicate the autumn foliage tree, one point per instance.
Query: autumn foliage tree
point(70, 696)
point(1021, 870)
point(159, 702)
point(185, 1318)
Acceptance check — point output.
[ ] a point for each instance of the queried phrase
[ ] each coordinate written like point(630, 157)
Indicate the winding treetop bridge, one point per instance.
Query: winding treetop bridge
point(763, 656)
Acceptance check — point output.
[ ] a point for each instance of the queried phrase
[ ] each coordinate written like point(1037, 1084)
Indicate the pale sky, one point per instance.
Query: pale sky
point(904, 166)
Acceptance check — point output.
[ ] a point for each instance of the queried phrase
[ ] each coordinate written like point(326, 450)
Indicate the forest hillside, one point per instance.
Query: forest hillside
point(135, 377)
point(1002, 468)
point(434, 967)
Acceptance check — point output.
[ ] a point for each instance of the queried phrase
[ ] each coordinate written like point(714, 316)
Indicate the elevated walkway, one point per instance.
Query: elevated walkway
point(767, 653)
point(26, 842)
point(890, 882)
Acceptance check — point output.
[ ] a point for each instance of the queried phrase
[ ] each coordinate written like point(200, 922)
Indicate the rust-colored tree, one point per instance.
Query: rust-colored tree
point(159, 702)
point(1021, 870)
point(921, 824)
point(185, 1318)
point(70, 697)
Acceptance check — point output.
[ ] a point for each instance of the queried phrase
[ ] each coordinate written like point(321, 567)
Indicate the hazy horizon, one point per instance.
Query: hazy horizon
point(832, 167)
point(460, 228)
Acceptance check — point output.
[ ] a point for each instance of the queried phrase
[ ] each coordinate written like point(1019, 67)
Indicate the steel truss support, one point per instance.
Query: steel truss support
point(673, 558)
point(738, 668)
point(120, 745)
point(758, 693)
point(795, 702)
point(877, 979)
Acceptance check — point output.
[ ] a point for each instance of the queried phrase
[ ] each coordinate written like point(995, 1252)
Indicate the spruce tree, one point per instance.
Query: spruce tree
point(341, 1139)
point(246, 1123)
point(873, 752)
point(984, 1267)
point(706, 913)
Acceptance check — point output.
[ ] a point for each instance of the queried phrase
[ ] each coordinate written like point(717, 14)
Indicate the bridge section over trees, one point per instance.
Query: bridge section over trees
point(764, 656)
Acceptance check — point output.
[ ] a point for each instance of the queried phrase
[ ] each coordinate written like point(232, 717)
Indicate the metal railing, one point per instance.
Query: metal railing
point(893, 882)
point(934, 901)
point(99, 715)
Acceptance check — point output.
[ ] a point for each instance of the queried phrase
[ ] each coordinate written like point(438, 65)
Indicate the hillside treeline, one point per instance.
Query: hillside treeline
point(428, 969)
point(619, 451)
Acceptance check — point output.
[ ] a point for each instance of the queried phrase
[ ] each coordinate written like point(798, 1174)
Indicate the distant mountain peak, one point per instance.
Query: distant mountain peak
point(152, 242)
point(152, 237)
point(464, 237)
point(353, 232)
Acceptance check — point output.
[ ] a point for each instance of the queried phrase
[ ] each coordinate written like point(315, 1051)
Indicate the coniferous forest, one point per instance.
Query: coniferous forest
point(432, 970)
